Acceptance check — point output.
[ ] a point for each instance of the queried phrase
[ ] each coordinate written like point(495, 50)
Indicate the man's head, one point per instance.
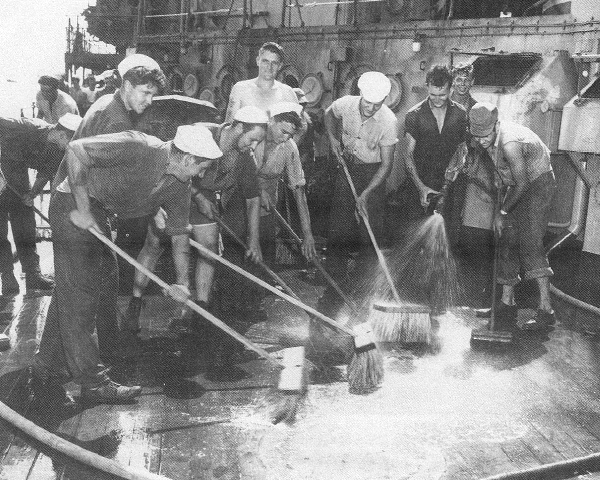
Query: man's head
point(269, 60)
point(374, 88)
point(75, 81)
point(462, 76)
point(250, 123)
point(49, 86)
point(285, 121)
point(483, 121)
point(142, 79)
point(90, 82)
point(439, 81)
point(198, 148)
point(63, 131)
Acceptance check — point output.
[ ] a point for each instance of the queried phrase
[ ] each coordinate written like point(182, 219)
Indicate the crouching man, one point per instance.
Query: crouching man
point(129, 174)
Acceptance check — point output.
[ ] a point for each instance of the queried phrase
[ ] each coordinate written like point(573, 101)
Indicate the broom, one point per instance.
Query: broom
point(416, 328)
point(365, 371)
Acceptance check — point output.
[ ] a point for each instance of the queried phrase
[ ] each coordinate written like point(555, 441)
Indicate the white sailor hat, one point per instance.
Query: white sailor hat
point(137, 60)
point(284, 107)
point(197, 140)
point(70, 121)
point(374, 86)
point(251, 114)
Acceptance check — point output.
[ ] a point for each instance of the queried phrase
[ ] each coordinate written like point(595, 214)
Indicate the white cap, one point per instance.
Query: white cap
point(251, 114)
point(106, 74)
point(137, 60)
point(70, 121)
point(198, 141)
point(283, 107)
point(374, 86)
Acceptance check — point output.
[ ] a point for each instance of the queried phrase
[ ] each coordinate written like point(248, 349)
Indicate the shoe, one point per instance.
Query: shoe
point(541, 320)
point(37, 281)
point(10, 286)
point(131, 322)
point(504, 311)
point(109, 392)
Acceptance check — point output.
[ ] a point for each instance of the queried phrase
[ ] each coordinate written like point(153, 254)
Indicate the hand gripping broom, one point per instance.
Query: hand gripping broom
point(392, 322)
point(365, 371)
point(292, 382)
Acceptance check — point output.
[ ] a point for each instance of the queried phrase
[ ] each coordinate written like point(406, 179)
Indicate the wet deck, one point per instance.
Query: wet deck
point(444, 412)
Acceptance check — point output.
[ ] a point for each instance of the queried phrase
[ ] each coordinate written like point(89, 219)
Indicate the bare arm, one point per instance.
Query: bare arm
point(411, 168)
point(253, 217)
point(516, 162)
point(387, 156)
point(308, 243)
point(332, 124)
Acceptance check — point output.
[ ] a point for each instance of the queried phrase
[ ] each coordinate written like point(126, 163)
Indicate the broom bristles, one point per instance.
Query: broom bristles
point(365, 371)
point(286, 407)
point(401, 325)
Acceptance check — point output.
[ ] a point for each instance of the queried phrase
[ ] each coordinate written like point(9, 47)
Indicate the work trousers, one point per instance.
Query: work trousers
point(85, 295)
point(521, 245)
point(347, 236)
point(22, 224)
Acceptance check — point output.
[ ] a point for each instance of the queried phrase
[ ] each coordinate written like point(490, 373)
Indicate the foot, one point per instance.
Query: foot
point(10, 286)
point(37, 281)
point(541, 320)
point(109, 392)
point(131, 322)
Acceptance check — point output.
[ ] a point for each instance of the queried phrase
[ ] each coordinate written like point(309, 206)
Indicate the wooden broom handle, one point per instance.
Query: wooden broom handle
point(315, 261)
point(211, 318)
point(380, 256)
point(262, 264)
point(293, 300)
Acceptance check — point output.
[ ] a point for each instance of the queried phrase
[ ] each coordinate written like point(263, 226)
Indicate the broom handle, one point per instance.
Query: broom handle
point(211, 318)
point(317, 263)
point(36, 210)
point(264, 266)
point(495, 266)
point(293, 300)
point(380, 256)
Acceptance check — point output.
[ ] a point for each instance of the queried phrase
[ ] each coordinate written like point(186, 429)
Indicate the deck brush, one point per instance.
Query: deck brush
point(294, 378)
point(365, 371)
point(401, 323)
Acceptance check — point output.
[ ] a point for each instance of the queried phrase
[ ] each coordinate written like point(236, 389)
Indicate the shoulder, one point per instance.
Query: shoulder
point(419, 107)
point(346, 102)
point(66, 98)
point(242, 85)
point(386, 115)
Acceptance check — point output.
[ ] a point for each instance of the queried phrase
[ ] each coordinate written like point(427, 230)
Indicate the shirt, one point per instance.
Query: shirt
point(247, 92)
point(133, 174)
point(51, 112)
point(24, 144)
point(364, 139)
point(233, 170)
point(536, 154)
point(283, 157)
point(434, 149)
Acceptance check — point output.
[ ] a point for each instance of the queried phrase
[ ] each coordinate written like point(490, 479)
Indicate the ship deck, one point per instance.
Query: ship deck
point(447, 411)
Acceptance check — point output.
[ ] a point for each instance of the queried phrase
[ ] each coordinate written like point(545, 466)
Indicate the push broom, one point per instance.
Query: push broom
point(365, 371)
point(392, 322)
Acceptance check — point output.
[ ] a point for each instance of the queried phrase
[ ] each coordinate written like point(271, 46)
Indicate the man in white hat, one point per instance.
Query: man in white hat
point(264, 90)
point(53, 103)
point(132, 175)
point(27, 143)
point(369, 133)
point(142, 79)
point(524, 173)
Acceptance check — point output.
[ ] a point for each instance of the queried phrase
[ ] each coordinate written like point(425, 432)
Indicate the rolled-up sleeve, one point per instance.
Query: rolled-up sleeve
point(390, 134)
point(293, 166)
point(410, 124)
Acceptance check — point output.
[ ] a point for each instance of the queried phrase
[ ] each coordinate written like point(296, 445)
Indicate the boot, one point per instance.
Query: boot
point(109, 392)
point(10, 286)
point(37, 281)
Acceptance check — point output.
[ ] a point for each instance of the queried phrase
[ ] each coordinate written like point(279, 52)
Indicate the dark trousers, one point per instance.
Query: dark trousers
point(22, 223)
point(522, 240)
point(347, 236)
point(85, 296)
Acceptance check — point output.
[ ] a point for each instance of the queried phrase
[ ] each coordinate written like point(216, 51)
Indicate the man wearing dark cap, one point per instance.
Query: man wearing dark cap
point(51, 102)
point(129, 174)
point(434, 129)
point(524, 173)
point(27, 143)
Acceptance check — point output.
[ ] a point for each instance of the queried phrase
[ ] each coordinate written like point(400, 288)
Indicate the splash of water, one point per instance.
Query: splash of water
point(423, 268)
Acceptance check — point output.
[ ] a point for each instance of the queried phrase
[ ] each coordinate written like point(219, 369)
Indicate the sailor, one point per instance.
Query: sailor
point(462, 81)
point(142, 79)
point(129, 174)
point(524, 172)
point(264, 90)
point(53, 103)
point(369, 133)
point(305, 139)
point(229, 185)
point(435, 128)
point(27, 143)
point(276, 156)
